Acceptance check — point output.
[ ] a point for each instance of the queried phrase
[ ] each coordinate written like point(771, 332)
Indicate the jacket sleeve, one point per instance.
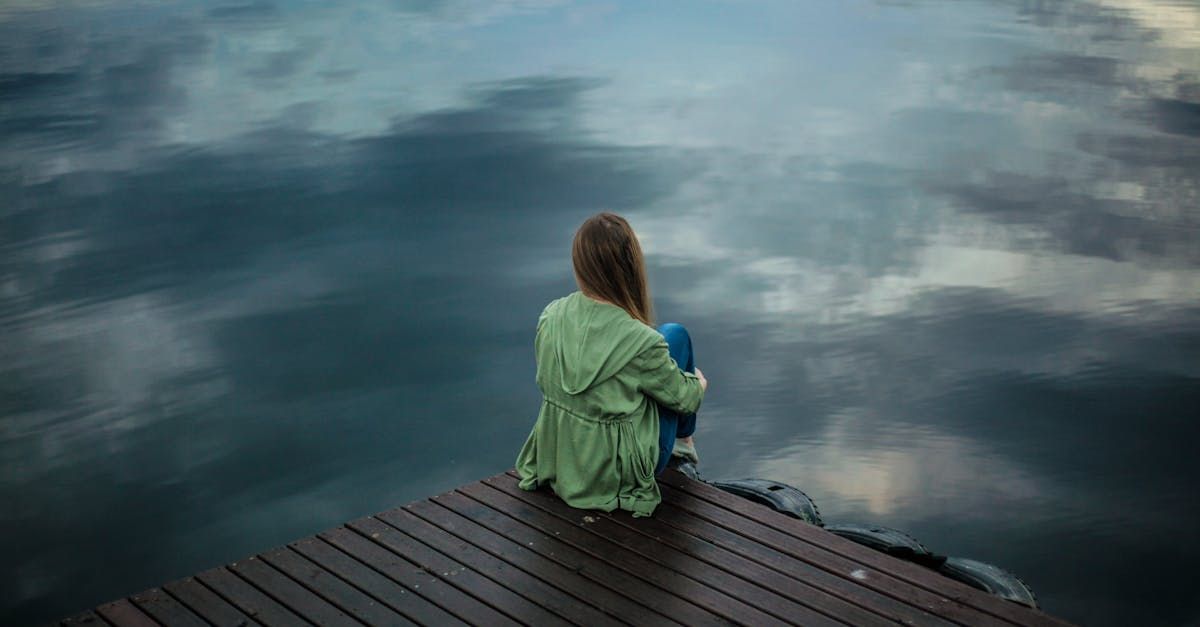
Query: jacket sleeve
point(660, 378)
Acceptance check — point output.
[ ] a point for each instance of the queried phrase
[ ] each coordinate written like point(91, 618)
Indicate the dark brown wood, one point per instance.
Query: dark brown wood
point(382, 589)
point(839, 584)
point(457, 573)
point(88, 618)
point(291, 594)
point(122, 613)
point(332, 589)
point(793, 588)
point(416, 580)
point(207, 604)
point(864, 585)
point(498, 570)
point(248, 599)
point(523, 557)
point(599, 548)
point(165, 609)
point(519, 522)
point(759, 605)
point(944, 587)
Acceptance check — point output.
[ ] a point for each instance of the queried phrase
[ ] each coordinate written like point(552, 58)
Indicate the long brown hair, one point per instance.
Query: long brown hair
point(609, 265)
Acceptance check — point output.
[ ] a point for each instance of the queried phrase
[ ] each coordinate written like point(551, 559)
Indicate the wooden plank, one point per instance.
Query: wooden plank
point(460, 575)
point(537, 565)
point(248, 599)
point(122, 613)
point(678, 585)
point(946, 588)
point(498, 570)
point(207, 604)
point(413, 607)
point(869, 577)
point(165, 609)
point(718, 556)
point(291, 594)
point(762, 606)
point(332, 589)
point(88, 618)
point(414, 579)
point(524, 528)
point(675, 513)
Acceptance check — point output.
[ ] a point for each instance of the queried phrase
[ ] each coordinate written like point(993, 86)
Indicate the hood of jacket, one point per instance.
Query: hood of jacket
point(588, 341)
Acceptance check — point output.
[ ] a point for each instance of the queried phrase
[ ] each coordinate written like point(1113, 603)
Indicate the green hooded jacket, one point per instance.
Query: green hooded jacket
point(600, 370)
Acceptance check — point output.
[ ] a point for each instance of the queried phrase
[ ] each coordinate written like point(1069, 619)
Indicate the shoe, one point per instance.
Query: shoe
point(686, 450)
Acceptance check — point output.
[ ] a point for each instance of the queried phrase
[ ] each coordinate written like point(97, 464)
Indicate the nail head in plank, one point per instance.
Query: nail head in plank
point(122, 613)
point(165, 609)
point(571, 558)
point(830, 580)
point(207, 604)
point(535, 564)
point(498, 570)
point(916, 574)
point(797, 590)
point(753, 602)
point(414, 607)
point(682, 597)
point(467, 579)
point(291, 594)
point(247, 598)
point(407, 579)
point(332, 589)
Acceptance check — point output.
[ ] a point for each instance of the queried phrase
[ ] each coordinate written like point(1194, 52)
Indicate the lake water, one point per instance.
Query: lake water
point(266, 267)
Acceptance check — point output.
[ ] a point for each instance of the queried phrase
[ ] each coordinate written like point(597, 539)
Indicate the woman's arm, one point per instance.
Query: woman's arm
point(660, 378)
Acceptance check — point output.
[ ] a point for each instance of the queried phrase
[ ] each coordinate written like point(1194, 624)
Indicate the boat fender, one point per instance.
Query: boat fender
point(887, 540)
point(989, 578)
point(780, 497)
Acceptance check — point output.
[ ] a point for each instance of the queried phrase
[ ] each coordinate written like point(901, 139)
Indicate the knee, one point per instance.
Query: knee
point(673, 331)
point(678, 341)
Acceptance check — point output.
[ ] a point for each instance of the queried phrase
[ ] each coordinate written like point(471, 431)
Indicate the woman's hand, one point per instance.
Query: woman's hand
point(703, 381)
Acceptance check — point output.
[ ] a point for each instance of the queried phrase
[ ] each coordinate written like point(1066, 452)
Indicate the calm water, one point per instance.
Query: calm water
point(266, 267)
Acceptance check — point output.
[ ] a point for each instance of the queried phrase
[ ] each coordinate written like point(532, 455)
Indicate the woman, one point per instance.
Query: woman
point(615, 399)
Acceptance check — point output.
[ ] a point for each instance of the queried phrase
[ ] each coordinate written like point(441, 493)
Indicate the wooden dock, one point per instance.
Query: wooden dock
point(489, 553)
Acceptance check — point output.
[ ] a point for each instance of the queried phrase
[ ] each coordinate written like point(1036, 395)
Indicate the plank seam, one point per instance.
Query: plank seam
point(966, 598)
point(250, 615)
point(165, 591)
point(778, 613)
point(890, 574)
point(197, 614)
point(665, 566)
point(552, 584)
point(410, 590)
point(356, 586)
point(466, 590)
point(347, 611)
point(822, 587)
point(128, 601)
point(555, 561)
point(627, 523)
point(268, 594)
point(349, 583)
point(883, 591)
point(249, 619)
point(592, 555)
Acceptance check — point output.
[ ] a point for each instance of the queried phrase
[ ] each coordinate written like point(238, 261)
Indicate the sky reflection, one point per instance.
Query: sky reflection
point(272, 265)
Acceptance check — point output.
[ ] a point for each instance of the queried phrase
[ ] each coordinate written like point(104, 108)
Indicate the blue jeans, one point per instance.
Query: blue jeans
point(670, 424)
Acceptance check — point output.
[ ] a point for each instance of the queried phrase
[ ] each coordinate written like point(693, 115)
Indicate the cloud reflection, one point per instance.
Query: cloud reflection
point(258, 257)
